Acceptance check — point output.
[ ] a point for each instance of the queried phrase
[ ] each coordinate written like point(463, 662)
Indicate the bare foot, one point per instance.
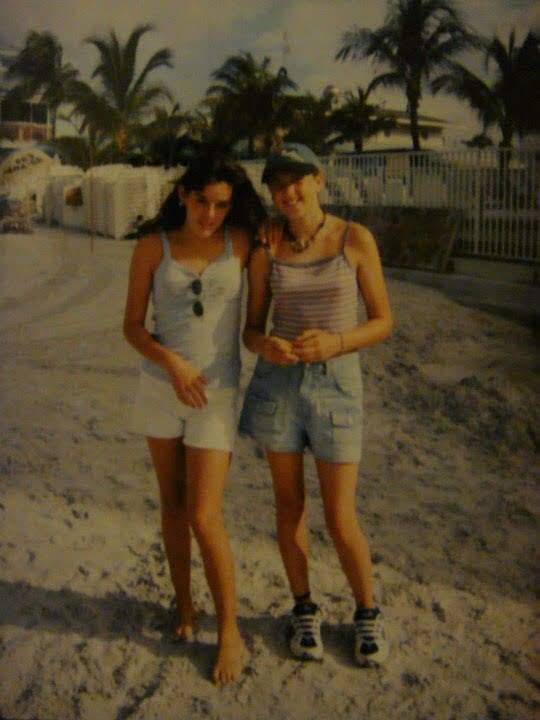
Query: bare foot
point(185, 616)
point(231, 658)
point(183, 632)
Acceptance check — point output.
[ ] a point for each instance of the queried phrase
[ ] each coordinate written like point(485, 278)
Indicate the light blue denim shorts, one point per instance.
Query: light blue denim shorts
point(288, 408)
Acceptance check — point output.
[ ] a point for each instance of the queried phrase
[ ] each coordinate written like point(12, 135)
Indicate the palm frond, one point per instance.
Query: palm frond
point(161, 58)
point(355, 44)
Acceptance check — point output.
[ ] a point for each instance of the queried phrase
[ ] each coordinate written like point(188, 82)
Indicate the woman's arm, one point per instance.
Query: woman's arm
point(144, 261)
point(361, 250)
point(186, 379)
point(273, 349)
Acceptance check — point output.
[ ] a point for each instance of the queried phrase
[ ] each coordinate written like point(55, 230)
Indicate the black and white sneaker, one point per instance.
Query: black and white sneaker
point(304, 633)
point(370, 645)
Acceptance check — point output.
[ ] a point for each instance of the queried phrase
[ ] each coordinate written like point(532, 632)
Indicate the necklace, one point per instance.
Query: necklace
point(298, 246)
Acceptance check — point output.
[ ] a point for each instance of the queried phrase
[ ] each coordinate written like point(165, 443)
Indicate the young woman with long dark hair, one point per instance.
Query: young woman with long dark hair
point(191, 268)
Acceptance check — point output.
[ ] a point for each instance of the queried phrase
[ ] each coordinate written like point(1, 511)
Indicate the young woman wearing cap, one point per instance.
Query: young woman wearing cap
point(306, 390)
point(185, 403)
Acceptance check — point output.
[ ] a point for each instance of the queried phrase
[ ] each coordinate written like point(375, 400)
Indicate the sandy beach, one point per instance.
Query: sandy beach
point(447, 496)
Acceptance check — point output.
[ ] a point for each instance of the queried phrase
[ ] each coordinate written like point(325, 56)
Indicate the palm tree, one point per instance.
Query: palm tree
point(126, 97)
point(480, 141)
point(248, 100)
point(96, 124)
point(528, 110)
point(418, 38)
point(82, 151)
point(162, 133)
point(39, 69)
point(357, 120)
point(512, 100)
point(310, 122)
point(200, 124)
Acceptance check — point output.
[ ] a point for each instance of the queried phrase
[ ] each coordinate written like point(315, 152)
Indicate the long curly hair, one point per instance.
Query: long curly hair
point(247, 209)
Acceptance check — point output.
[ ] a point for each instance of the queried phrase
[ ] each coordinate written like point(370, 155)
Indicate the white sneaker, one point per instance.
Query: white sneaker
point(370, 645)
point(304, 632)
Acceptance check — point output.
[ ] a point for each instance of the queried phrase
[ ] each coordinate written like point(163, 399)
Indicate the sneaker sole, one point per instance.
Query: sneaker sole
point(305, 656)
point(369, 664)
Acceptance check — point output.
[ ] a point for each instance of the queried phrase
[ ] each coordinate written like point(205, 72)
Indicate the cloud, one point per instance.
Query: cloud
point(195, 30)
point(314, 30)
point(530, 18)
point(498, 17)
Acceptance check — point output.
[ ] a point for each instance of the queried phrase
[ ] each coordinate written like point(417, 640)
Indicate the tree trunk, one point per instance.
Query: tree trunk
point(503, 182)
point(413, 99)
point(120, 141)
point(507, 130)
point(53, 124)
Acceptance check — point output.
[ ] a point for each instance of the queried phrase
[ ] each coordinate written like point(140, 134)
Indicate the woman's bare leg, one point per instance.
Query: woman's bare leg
point(168, 457)
point(288, 477)
point(206, 473)
point(338, 489)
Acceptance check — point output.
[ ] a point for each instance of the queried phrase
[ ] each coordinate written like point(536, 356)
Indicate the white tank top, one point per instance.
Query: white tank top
point(209, 341)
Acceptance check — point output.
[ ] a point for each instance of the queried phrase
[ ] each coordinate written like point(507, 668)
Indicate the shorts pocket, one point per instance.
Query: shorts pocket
point(263, 406)
point(259, 416)
point(342, 419)
point(262, 414)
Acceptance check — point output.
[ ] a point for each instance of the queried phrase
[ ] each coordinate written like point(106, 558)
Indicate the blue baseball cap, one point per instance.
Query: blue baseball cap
point(293, 158)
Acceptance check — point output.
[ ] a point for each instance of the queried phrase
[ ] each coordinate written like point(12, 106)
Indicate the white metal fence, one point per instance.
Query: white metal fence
point(495, 193)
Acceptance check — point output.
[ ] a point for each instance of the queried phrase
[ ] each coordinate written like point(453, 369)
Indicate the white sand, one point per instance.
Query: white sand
point(446, 496)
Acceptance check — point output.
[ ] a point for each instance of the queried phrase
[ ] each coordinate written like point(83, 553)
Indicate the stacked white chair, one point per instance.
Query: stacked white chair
point(62, 179)
point(126, 202)
point(94, 190)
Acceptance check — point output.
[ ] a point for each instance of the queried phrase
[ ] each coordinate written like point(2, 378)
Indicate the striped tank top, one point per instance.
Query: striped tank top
point(319, 295)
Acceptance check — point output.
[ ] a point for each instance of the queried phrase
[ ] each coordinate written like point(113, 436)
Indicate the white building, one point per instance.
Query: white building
point(21, 122)
point(431, 129)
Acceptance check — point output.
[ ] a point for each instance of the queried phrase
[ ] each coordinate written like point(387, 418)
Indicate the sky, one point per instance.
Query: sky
point(303, 35)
